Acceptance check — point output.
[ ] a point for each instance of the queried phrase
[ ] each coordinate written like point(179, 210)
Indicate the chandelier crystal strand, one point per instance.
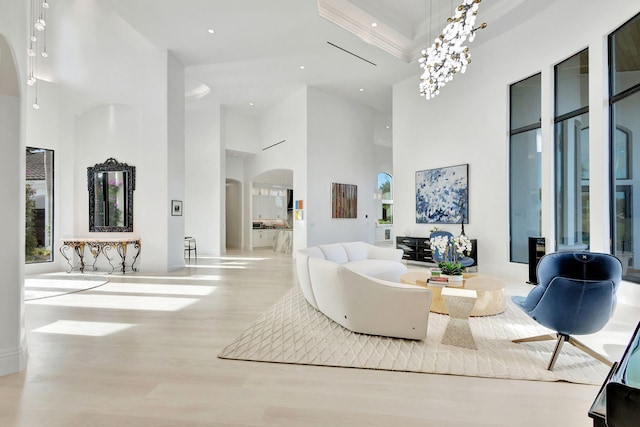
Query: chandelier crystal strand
point(37, 36)
point(448, 55)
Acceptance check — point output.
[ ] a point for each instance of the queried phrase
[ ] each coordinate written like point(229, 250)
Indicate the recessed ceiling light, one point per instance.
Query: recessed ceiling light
point(388, 126)
point(251, 103)
point(374, 24)
point(302, 67)
point(361, 89)
point(211, 31)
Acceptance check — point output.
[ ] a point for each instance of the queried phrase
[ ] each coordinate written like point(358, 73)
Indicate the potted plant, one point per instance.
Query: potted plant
point(451, 270)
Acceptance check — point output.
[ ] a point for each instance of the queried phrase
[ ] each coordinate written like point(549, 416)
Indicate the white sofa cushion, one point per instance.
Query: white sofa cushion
point(334, 252)
point(357, 251)
point(383, 269)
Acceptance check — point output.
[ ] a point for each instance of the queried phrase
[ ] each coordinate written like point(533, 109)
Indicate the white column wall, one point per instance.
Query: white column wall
point(13, 346)
point(468, 123)
point(205, 180)
point(175, 174)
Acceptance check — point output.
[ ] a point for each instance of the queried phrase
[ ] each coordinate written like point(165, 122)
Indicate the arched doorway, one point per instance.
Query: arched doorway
point(233, 190)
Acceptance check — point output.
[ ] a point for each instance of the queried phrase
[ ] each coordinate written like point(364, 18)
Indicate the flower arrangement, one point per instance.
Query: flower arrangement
point(441, 244)
point(451, 248)
point(462, 245)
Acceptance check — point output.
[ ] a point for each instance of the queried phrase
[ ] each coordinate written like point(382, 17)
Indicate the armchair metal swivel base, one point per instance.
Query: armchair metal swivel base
point(560, 340)
point(575, 295)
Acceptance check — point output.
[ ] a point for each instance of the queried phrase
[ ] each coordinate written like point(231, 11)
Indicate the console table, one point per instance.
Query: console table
point(98, 246)
point(419, 249)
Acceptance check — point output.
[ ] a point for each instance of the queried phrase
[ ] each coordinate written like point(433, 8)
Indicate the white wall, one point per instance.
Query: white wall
point(286, 121)
point(205, 183)
point(100, 133)
point(235, 167)
point(340, 150)
point(175, 174)
point(468, 123)
point(43, 131)
point(13, 346)
point(113, 94)
point(240, 132)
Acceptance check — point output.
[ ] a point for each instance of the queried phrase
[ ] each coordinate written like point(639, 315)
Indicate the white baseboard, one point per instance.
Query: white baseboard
point(12, 361)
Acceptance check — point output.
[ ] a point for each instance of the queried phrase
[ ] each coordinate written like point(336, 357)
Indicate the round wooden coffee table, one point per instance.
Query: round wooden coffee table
point(490, 290)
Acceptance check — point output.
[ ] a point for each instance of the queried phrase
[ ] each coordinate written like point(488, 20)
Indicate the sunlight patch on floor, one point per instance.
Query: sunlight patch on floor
point(118, 302)
point(236, 258)
point(210, 277)
point(219, 266)
point(61, 283)
point(146, 288)
point(91, 329)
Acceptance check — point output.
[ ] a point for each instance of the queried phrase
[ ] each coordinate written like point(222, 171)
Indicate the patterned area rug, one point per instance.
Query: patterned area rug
point(35, 289)
point(292, 331)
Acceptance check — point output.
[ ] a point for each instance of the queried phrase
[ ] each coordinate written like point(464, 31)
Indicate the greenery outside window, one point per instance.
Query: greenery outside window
point(385, 189)
point(39, 206)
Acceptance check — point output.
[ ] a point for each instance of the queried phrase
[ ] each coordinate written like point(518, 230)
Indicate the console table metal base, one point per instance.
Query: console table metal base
point(97, 247)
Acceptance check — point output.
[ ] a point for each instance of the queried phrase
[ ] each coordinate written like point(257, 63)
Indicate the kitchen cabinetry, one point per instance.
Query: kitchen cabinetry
point(269, 203)
point(263, 238)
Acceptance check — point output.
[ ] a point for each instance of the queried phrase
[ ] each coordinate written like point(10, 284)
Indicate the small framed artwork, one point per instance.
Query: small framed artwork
point(344, 200)
point(176, 208)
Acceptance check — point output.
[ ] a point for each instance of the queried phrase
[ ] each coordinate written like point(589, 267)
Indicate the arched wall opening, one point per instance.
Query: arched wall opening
point(233, 214)
point(12, 160)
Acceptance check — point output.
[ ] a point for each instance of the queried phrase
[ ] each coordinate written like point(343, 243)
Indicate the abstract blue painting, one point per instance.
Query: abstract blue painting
point(442, 195)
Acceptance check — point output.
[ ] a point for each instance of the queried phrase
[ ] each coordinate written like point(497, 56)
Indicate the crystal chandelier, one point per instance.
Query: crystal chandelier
point(448, 55)
point(37, 42)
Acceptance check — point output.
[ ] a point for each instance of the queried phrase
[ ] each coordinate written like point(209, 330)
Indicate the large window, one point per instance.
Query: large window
point(39, 206)
point(572, 152)
point(385, 190)
point(524, 166)
point(624, 87)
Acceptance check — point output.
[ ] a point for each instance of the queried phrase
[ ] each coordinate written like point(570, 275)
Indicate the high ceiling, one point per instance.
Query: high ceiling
point(258, 47)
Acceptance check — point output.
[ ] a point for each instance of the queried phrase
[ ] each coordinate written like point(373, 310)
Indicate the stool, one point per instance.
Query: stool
point(459, 302)
point(190, 245)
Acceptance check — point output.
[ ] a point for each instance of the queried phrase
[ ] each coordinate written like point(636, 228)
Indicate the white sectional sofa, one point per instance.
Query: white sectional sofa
point(357, 285)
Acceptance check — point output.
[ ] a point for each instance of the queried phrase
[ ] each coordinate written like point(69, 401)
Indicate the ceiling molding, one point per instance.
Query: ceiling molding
point(355, 20)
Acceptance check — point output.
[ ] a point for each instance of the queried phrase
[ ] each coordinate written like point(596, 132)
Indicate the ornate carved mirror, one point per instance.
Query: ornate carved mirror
point(111, 186)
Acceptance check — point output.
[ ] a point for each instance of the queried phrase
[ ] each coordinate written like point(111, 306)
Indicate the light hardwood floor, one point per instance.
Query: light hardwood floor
point(142, 352)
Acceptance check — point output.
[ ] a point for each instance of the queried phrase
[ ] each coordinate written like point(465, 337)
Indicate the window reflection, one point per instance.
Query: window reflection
point(624, 75)
point(572, 153)
point(525, 166)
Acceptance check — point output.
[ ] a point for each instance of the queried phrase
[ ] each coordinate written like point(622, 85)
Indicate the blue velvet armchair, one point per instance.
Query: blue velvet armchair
point(575, 295)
